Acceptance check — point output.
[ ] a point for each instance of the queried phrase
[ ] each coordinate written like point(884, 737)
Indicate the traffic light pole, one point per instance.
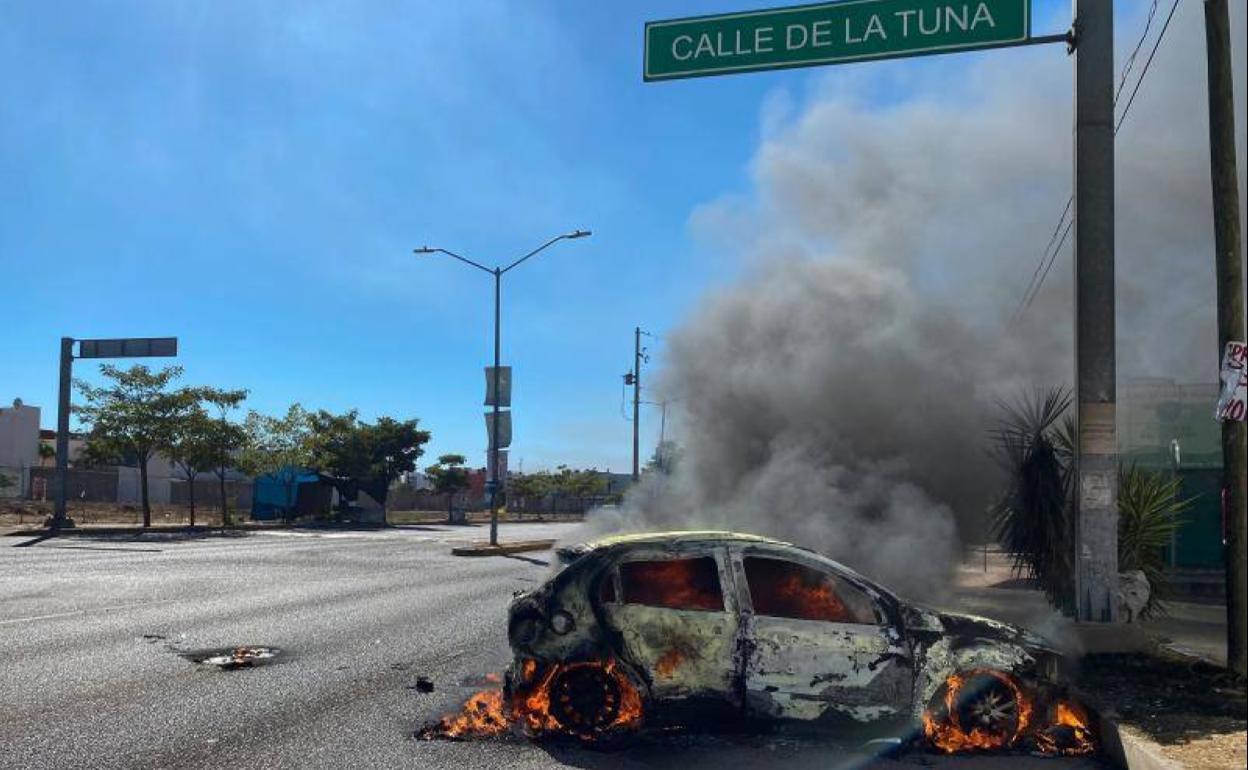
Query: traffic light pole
point(59, 517)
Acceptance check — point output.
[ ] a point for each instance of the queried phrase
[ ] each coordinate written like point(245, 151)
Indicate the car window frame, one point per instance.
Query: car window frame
point(728, 588)
point(877, 601)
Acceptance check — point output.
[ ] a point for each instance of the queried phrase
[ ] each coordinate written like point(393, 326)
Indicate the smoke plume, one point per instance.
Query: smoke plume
point(839, 394)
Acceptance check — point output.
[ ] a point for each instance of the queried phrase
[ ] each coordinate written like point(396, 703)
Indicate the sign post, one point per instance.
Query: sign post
point(131, 347)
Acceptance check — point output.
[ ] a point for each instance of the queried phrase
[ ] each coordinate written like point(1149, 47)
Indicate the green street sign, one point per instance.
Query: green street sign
point(829, 33)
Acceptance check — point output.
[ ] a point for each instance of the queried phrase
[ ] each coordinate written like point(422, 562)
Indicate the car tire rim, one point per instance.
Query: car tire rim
point(987, 704)
point(585, 699)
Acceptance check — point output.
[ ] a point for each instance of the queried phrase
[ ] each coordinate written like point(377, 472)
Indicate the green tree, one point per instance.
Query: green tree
point(449, 477)
point(46, 452)
point(5, 481)
point(133, 416)
point(1149, 514)
point(192, 448)
point(665, 458)
point(1032, 519)
point(362, 456)
point(224, 438)
point(276, 446)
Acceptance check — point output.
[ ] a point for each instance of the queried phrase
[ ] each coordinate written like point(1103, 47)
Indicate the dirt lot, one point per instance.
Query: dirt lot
point(1196, 712)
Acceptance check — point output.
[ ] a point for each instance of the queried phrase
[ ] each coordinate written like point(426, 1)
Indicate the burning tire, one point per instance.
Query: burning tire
point(989, 704)
point(979, 710)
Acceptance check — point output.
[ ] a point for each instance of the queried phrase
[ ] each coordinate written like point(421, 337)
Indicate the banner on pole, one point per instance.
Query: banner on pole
point(504, 429)
point(504, 386)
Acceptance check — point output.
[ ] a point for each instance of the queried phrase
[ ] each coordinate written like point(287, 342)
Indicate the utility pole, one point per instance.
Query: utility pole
point(636, 403)
point(1096, 451)
point(1230, 279)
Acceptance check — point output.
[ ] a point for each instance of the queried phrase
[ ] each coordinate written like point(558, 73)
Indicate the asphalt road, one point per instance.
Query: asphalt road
point(92, 673)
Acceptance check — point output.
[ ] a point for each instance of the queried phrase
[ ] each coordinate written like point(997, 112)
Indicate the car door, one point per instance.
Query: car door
point(820, 646)
point(675, 616)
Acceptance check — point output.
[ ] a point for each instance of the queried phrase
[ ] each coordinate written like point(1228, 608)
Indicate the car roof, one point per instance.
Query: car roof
point(684, 536)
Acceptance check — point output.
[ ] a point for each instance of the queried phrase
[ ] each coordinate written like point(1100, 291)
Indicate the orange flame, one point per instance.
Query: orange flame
point(489, 714)
point(1066, 733)
point(668, 662)
point(1070, 734)
point(945, 731)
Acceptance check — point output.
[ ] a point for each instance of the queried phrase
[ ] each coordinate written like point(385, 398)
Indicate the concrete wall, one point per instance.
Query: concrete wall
point(19, 436)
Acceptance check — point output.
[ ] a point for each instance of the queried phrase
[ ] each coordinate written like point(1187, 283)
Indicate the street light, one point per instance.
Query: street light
point(498, 273)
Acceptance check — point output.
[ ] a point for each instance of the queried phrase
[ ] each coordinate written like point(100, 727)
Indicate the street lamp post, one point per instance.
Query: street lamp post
point(497, 273)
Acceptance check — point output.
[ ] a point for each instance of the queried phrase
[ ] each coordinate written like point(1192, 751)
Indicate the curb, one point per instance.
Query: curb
point(503, 549)
point(1130, 750)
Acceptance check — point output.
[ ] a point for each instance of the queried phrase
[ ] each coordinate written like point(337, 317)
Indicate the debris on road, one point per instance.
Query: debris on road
point(231, 658)
point(422, 685)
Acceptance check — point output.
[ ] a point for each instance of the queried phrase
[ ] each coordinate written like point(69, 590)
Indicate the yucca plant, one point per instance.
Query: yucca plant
point(1149, 514)
point(1032, 520)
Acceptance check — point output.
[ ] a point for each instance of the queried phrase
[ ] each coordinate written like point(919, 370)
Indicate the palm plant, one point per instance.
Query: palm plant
point(1149, 511)
point(1032, 520)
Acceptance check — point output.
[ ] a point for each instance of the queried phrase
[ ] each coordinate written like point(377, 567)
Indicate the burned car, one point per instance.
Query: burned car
point(721, 627)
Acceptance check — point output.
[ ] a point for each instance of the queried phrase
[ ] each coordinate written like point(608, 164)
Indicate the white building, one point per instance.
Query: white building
point(19, 444)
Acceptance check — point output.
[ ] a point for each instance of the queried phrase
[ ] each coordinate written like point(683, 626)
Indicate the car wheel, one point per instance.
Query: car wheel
point(986, 702)
point(585, 699)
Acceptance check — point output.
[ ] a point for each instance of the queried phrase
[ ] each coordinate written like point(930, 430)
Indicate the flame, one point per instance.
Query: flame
point(668, 662)
point(679, 584)
point(490, 714)
point(1067, 733)
point(1070, 734)
point(945, 732)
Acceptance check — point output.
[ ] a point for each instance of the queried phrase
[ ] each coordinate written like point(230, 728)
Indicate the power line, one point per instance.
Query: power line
point(1049, 257)
point(1161, 36)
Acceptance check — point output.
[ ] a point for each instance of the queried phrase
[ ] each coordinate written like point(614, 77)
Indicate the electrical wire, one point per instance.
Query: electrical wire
point(1049, 257)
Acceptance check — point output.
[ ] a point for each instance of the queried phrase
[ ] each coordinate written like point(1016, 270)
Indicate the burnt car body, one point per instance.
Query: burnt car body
point(720, 626)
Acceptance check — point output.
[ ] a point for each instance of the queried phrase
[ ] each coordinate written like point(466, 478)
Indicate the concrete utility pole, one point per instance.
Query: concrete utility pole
point(637, 403)
point(59, 517)
point(1230, 277)
point(1096, 455)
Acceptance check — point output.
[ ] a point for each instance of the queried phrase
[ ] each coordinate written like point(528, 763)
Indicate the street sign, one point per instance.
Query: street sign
point(1233, 401)
point(131, 347)
point(504, 429)
point(829, 33)
point(504, 386)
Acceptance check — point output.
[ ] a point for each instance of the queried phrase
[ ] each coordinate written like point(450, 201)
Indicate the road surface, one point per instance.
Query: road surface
point(93, 674)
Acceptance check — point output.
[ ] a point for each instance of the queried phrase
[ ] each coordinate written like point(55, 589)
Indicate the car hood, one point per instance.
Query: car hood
point(972, 627)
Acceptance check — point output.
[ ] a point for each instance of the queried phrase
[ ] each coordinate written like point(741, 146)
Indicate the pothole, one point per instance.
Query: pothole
point(230, 658)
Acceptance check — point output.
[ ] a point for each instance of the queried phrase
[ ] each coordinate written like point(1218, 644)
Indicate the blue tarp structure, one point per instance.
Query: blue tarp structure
point(276, 495)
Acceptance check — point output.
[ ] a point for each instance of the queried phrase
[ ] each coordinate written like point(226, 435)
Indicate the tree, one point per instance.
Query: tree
point(1033, 519)
point(449, 477)
point(276, 446)
point(46, 452)
point(1149, 511)
point(361, 456)
point(133, 416)
point(5, 481)
point(193, 448)
point(223, 439)
point(665, 458)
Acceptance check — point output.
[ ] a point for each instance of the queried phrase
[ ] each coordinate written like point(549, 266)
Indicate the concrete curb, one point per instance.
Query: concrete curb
point(502, 549)
point(1130, 750)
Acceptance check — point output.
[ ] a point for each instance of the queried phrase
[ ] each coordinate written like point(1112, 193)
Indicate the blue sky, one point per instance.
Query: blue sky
point(252, 177)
